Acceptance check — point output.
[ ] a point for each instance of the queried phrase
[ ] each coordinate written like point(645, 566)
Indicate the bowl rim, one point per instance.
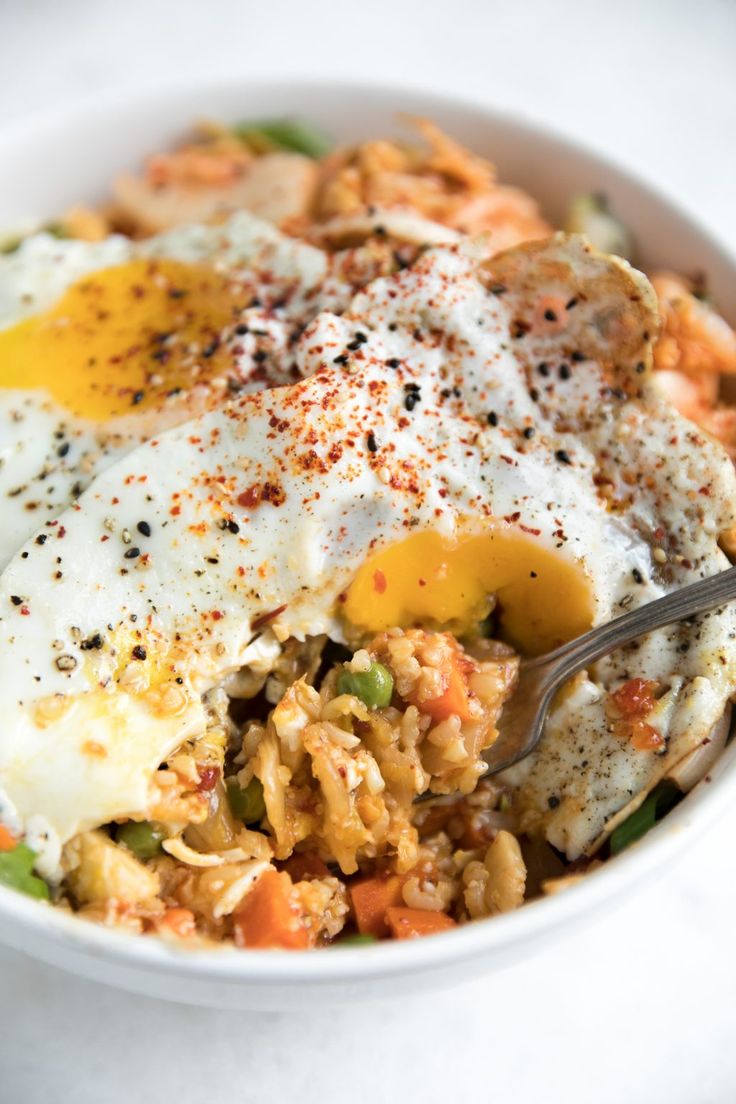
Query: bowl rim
point(52, 927)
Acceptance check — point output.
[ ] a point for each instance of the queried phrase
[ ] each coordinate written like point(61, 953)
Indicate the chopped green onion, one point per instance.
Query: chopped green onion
point(142, 837)
point(16, 872)
point(374, 687)
point(246, 804)
point(357, 939)
point(285, 134)
point(591, 216)
point(662, 798)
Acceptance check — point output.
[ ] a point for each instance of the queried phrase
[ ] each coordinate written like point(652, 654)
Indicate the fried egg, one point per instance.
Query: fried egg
point(467, 431)
point(103, 343)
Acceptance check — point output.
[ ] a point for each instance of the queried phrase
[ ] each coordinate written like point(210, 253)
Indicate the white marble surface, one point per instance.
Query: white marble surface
point(640, 1006)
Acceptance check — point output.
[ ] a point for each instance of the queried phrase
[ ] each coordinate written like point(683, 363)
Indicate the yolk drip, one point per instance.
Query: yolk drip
point(124, 338)
point(542, 599)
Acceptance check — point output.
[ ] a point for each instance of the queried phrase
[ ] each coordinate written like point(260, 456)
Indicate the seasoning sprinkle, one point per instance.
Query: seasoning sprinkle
point(393, 362)
point(529, 432)
point(16, 600)
point(144, 528)
point(139, 652)
point(138, 397)
point(372, 443)
point(564, 371)
point(492, 418)
point(343, 358)
point(233, 526)
point(66, 662)
point(132, 553)
point(562, 456)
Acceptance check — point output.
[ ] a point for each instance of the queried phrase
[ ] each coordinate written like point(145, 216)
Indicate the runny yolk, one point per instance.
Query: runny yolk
point(542, 599)
point(123, 339)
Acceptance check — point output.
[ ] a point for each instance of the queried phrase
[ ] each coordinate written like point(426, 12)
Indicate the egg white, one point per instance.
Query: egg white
point(78, 749)
point(47, 454)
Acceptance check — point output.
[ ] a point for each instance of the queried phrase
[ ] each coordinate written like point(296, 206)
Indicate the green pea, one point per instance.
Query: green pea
point(142, 837)
point(374, 687)
point(246, 804)
point(16, 872)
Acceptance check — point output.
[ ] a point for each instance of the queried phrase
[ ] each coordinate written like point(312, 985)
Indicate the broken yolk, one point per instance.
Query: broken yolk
point(542, 600)
point(125, 338)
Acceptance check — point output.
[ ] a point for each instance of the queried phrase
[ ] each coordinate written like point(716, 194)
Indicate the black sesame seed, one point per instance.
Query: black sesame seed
point(176, 293)
point(393, 362)
point(564, 371)
point(577, 357)
point(640, 367)
point(411, 400)
point(543, 368)
point(138, 397)
point(211, 349)
point(343, 358)
point(492, 418)
point(42, 538)
point(553, 801)
point(562, 456)
point(393, 326)
point(497, 289)
point(174, 391)
point(571, 303)
point(241, 329)
point(529, 432)
point(16, 600)
point(132, 553)
point(212, 559)
point(139, 652)
point(179, 680)
point(638, 577)
point(63, 450)
point(361, 338)
point(418, 335)
point(144, 528)
point(92, 643)
point(534, 394)
point(550, 315)
point(371, 443)
point(260, 355)
point(233, 527)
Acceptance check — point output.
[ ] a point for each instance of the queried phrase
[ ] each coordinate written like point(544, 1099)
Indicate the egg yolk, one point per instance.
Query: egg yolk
point(542, 600)
point(125, 338)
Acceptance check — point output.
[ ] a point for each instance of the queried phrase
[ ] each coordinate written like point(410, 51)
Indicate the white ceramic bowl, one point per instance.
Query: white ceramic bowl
point(71, 155)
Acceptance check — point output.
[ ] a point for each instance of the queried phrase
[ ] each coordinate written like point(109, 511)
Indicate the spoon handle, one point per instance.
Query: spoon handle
point(700, 597)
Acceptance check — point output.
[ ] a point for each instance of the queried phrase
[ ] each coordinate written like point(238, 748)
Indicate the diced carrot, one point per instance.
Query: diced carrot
point(180, 921)
point(8, 841)
point(411, 923)
point(302, 865)
point(454, 701)
point(266, 918)
point(371, 898)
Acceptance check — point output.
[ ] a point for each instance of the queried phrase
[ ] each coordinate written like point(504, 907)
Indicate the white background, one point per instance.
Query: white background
point(640, 1007)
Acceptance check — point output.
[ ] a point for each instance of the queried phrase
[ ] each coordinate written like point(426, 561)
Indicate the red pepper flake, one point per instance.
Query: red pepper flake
point(379, 582)
point(217, 615)
point(251, 498)
point(24, 611)
point(533, 532)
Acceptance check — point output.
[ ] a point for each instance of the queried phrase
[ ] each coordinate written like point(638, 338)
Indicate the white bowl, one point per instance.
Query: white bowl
point(59, 159)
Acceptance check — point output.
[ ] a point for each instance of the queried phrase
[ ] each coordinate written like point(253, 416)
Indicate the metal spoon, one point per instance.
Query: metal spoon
point(522, 720)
